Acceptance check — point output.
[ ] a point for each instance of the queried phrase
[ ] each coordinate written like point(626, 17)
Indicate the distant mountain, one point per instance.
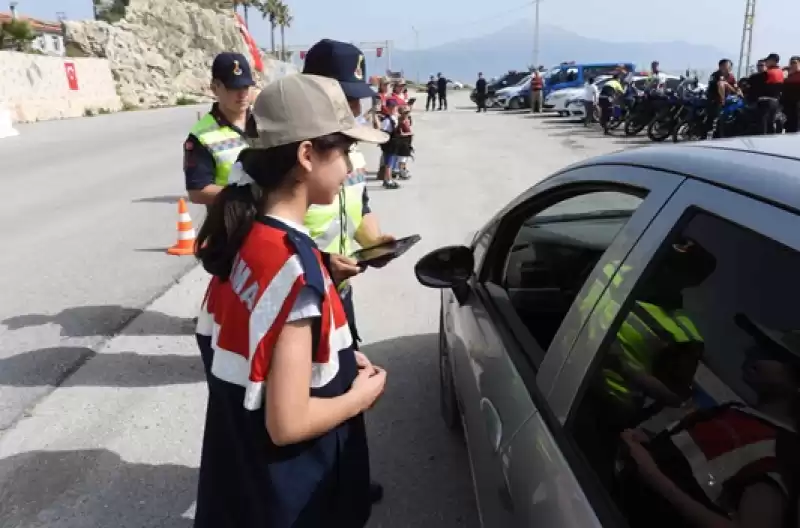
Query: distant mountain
point(512, 48)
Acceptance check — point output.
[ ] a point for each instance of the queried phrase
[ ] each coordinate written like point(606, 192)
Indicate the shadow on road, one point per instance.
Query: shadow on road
point(93, 488)
point(161, 199)
point(51, 366)
point(108, 320)
point(423, 466)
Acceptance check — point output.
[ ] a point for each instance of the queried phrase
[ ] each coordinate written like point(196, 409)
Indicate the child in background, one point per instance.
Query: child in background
point(389, 124)
point(404, 143)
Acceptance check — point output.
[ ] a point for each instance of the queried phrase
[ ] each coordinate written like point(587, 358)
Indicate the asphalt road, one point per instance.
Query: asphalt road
point(88, 207)
point(117, 445)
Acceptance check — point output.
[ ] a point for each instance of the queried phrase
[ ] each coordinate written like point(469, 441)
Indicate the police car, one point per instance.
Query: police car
point(619, 328)
point(514, 97)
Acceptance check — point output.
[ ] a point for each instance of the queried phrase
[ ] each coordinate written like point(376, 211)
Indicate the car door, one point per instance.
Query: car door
point(750, 251)
point(500, 348)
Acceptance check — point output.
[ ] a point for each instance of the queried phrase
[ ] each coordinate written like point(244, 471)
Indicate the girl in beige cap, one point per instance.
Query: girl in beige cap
point(284, 443)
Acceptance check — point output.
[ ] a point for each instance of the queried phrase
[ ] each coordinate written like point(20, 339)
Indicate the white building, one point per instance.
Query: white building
point(49, 35)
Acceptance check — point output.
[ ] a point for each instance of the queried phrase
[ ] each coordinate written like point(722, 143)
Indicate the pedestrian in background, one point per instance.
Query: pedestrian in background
point(441, 90)
point(769, 103)
point(217, 138)
point(287, 390)
point(405, 148)
point(590, 97)
point(390, 125)
point(791, 96)
point(431, 88)
point(480, 92)
point(537, 92)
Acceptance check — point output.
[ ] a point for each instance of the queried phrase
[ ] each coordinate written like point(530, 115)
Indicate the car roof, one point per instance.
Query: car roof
point(766, 167)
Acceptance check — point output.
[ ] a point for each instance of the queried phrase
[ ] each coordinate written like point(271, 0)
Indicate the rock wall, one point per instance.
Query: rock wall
point(36, 87)
point(162, 50)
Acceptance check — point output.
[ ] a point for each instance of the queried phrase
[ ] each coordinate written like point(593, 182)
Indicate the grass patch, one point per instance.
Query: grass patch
point(185, 101)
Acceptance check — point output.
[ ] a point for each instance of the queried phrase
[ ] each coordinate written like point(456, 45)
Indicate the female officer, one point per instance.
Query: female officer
point(284, 443)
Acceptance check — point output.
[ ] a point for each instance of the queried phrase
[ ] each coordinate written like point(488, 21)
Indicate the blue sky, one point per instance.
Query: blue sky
point(716, 22)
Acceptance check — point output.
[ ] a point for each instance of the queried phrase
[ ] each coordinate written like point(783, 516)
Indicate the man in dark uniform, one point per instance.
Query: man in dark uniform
point(217, 138)
point(430, 103)
point(441, 85)
point(480, 92)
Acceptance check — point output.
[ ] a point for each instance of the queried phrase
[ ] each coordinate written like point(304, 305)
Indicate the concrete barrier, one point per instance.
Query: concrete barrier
point(6, 126)
point(38, 87)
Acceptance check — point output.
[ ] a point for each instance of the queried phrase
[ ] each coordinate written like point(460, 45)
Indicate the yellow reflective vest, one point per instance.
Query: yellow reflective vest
point(333, 227)
point(223, 142)
point(646, 331)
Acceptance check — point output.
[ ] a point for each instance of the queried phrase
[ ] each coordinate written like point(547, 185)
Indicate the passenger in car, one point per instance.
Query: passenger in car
point(651, 364)
point(731, 465)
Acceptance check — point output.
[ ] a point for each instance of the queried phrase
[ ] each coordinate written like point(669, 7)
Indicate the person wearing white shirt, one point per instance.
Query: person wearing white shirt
point(657, 79)
point(590, 95)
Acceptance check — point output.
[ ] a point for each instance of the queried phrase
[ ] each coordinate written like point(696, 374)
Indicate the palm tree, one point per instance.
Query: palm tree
point(284, 19)
point(269, 10)
point(246, 5)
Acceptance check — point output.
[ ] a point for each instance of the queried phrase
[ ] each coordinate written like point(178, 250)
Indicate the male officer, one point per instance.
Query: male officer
point(333, 227)
point(217, 138)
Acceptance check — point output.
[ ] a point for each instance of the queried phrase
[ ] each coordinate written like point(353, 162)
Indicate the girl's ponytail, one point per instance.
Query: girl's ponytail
point(236, 207)
point(228, 222)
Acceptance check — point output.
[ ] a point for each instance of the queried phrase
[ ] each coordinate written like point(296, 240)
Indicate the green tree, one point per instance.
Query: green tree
point(269, 11)
point(284, 19)
point(110, 10)
point(18, 33)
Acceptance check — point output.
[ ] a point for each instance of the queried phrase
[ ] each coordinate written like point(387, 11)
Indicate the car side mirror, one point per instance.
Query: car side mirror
point(447, 267)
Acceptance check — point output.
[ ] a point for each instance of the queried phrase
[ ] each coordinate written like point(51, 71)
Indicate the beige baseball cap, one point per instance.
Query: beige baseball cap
point(300, 107)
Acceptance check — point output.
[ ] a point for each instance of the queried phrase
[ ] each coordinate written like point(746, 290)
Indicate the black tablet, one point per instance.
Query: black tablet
point(383, 253)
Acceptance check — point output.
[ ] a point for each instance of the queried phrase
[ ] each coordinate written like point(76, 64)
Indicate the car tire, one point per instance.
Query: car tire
point(448, 404)
point(514, 104)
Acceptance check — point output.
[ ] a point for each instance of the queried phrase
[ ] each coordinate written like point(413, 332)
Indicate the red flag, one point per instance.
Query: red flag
point(379, 52)
point(302, 55)
point(258, 64)
point(72, 75)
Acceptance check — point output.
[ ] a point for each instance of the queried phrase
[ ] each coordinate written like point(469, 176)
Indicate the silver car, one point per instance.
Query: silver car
point(620, 345)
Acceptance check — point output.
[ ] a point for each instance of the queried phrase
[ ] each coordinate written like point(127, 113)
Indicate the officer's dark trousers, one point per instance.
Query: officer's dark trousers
point(480, 100)
point(768, 108)
point(430, 103)
point(442, 101)
point(605, 112)
point(792, 111)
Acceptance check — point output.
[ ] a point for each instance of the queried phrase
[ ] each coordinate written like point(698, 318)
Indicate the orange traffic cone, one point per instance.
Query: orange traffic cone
point(186, 236)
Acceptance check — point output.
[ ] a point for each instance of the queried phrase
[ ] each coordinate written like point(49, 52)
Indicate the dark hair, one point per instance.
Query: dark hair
point(236, 207)
point(724, 61)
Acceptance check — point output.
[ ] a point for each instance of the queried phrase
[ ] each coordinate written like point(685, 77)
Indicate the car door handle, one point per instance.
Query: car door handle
point(494, 425)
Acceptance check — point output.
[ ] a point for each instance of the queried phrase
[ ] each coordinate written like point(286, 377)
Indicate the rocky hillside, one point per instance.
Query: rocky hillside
point(162, 50)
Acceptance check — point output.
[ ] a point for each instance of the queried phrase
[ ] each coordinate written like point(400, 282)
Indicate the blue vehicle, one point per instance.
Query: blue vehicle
point(571, 75)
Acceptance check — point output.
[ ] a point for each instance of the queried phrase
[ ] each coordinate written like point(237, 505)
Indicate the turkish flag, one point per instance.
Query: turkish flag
point(302, 55)
point(255, 53)
point(72, 75)
point(379, 52)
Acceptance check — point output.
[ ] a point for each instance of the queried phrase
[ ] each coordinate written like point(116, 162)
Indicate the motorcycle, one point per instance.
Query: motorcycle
point(662, 125)
point(692, 126)
point(645, 110)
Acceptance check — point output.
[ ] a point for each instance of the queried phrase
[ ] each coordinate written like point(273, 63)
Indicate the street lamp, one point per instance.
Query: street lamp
point(537, 27)
point(416, 49)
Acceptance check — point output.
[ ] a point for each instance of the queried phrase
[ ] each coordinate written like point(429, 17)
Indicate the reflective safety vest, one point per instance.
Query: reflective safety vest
point(223, 142)
point(537, 83)
point(333, 227)
point(729, 449)
point(614, 85)
point(646, 332)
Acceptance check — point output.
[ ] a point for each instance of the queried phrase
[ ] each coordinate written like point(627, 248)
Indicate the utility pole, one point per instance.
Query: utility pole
point(747, 38)
point(416, 50)
point(536, 29)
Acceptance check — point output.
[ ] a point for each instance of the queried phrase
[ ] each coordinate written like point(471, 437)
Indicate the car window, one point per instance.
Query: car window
point(672, 83)
point(553, 253)
point(597, 71)
point(690, 411)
